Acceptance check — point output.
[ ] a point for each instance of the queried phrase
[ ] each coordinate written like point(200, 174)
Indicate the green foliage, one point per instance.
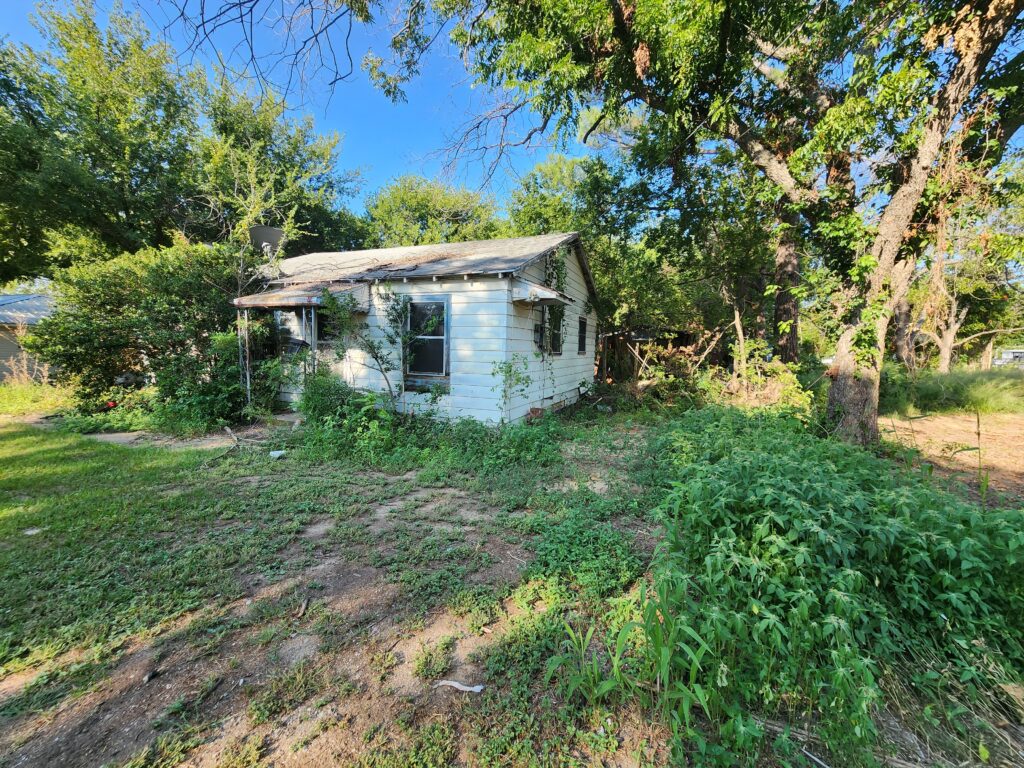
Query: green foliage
point(432, 661)
point(285, 691)
point(594, 555)
point(413, 211)
point(432, 746)
point(258, 166)
point(108, 146)
point(995, 391)
point(162, 315)
point(324, 396)
point(584, 670)
point(116, 410)
point(356, 426)
point(97, 129)
point(812, 571)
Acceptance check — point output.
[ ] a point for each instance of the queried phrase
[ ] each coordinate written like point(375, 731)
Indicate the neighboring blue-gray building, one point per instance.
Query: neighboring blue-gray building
point(18, 313)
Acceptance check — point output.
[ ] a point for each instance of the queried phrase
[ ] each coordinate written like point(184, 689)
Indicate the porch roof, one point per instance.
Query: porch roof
point(305, 295)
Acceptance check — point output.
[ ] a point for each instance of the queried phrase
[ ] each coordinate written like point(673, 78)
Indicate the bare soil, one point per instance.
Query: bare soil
point(949, 442)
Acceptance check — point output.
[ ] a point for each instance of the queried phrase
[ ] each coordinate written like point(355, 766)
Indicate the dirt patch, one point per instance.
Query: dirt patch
point(317, 530)
point(246, 435)
point(297, 649)
point(943, 440)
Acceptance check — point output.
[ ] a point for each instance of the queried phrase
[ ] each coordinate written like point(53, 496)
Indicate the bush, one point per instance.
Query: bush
point(324, 396)
point(345, 423)
point(160, 317)
point(116, 410)
point(996, 391)
point(812, 572)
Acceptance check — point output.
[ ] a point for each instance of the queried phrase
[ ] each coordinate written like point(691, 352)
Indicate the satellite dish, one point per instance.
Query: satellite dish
point(266, 239)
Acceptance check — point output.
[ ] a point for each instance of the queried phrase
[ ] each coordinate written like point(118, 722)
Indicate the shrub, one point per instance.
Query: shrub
point(116, 410)
point(996, 391)
point(324, 396)
point(160, 317)
point(809, 571)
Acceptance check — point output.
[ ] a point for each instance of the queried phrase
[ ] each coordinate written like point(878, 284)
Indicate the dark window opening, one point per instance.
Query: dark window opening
point(582, 342)
point(556, 316)
point(427, 351)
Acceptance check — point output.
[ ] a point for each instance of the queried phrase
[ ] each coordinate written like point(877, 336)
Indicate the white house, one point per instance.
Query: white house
point(507, 326)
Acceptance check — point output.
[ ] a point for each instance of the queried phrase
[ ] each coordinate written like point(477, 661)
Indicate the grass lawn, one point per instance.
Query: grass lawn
point(225, 607)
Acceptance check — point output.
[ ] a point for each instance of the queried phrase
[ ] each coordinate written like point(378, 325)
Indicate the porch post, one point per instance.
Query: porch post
point(312, 334)
point(248, 363)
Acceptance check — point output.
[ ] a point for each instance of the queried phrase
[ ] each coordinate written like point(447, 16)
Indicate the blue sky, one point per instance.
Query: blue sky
point(382, 139)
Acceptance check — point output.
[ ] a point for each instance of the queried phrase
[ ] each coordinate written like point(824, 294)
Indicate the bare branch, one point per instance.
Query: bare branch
point(992, 332)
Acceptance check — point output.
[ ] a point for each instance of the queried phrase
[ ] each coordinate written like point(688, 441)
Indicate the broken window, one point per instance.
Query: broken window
point(581, 344)
point(428, 350)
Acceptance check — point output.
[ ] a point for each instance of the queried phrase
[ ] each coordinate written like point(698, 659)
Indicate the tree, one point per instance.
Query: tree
point(107, 147)
point(810, 126)
point(257, 166)
point(974, 257)
point(93, 136)
point(413, 211)
point(639, 286)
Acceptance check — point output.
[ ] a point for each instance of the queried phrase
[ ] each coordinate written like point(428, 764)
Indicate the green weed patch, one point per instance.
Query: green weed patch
point(798, 574)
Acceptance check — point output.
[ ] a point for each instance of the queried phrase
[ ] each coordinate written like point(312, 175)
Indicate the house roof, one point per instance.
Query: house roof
point(476, 257)
point(24, 308)
point(305, 295)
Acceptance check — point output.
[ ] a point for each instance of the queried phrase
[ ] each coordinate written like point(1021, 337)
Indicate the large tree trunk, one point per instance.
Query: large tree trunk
point(904, 334)
point(787, 274)
point(853, 397)
point(988, 353)
point(945, 344)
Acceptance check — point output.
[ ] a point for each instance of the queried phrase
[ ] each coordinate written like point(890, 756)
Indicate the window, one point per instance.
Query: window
point(556, 316)
point(581, 345)
point(547, 334)
point(428, 351)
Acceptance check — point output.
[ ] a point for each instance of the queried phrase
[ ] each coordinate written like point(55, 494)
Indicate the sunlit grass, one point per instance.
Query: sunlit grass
point(19, 399)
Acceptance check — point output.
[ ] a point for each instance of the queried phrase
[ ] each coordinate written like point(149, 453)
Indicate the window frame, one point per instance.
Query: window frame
point(581, 341)
point(422, 379)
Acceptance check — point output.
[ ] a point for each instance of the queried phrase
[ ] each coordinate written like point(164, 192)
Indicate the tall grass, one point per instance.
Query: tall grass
point(18, 398)
point(996, 391)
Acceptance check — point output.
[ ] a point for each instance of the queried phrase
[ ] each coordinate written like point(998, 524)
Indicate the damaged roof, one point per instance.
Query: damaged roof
point(476, 257)
point(306, 294)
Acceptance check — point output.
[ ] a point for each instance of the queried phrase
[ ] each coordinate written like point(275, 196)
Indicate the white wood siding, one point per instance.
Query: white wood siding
point(485, 330)
point(479, 315)
point(555, 380)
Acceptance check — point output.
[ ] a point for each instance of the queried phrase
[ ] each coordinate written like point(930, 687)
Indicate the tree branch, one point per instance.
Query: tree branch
point(771, 164)
point(991, 332)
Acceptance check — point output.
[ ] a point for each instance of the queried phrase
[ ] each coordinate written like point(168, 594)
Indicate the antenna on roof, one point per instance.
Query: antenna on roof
point(266, 239)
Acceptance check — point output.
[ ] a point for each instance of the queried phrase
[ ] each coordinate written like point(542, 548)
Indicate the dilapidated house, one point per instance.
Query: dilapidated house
point(501, 328)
